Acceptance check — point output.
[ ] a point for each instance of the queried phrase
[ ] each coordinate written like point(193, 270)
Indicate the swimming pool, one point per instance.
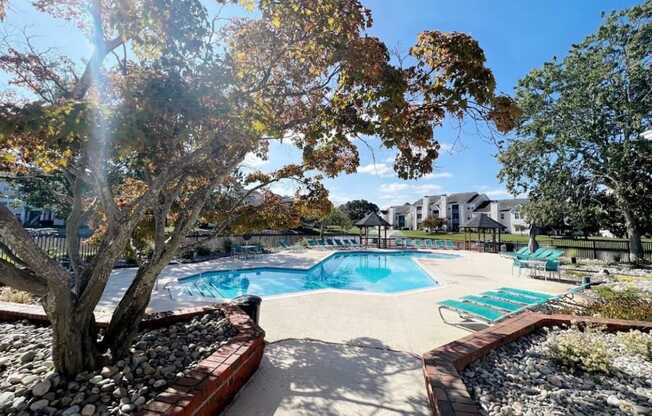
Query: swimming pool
point(380, 272)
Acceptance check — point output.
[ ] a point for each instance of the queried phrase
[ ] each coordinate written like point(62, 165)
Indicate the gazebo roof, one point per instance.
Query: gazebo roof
point(372, 219)
point(484, 222)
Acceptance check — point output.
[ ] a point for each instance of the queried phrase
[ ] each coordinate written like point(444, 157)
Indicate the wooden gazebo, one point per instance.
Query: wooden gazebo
point(484, 226)
point(372, 219)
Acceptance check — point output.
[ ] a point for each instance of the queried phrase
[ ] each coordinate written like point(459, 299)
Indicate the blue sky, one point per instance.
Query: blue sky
point(516, 36)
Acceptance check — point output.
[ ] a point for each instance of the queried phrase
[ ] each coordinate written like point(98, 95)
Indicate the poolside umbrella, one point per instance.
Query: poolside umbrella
point(533, 245)
point(372, 219)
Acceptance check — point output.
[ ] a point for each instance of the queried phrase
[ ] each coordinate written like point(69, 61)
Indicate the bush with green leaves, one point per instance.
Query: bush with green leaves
point(637, 342)
point(630, 304)
point(577, 349)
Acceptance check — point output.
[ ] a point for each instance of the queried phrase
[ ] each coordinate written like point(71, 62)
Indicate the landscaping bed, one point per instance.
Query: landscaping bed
point(160, 356)
point(563, 371)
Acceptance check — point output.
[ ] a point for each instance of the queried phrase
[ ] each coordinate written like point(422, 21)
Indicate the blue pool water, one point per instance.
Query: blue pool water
point(363, 271)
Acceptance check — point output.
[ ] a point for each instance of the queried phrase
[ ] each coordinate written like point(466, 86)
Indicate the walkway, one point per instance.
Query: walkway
point(310, 377)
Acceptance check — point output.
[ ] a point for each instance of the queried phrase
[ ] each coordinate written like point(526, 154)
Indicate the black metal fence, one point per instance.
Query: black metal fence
point(597, 249)
point(55, 246)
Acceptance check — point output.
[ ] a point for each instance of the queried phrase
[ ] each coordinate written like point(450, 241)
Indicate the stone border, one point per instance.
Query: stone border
point(442, 366)
point(213, 383)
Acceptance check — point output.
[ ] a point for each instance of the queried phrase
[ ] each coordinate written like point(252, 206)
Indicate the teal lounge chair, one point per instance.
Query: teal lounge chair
point(518, 298)
point(493, 303)
point(450, 245)
point(472, 310)
point(312, 243)
point(338, 242)
point(539, 295)
point(440, 244)
point(493, 306)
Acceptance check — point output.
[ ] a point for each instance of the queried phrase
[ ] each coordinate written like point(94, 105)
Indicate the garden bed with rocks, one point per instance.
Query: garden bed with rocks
point(565, 371)
point(29, 386)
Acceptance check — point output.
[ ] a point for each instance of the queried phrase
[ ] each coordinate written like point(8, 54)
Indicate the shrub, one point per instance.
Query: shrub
point(203, 251)
point(578, 349)
point(228, 245)
point(8, 294)
point(630, 304)
point(637, 342)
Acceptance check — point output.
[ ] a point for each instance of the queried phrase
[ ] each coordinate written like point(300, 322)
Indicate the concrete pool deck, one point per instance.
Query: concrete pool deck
point(337, 352)
point(405, 321)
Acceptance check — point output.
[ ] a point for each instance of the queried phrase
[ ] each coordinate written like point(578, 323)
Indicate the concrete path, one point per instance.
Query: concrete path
point(310, 377)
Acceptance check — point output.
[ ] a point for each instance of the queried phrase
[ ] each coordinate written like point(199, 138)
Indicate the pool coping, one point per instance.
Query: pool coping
point(437, 283)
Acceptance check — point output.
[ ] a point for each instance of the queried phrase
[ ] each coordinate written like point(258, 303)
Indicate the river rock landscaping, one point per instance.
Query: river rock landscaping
point(29, 386)
point(565, 371)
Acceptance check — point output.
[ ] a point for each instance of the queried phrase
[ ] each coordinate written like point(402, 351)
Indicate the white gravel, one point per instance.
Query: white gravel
point(29, 386)
point(519, 379)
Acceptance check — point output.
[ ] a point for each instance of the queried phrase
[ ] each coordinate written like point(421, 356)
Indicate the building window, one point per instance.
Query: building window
point(517, 215)
point(418, 216)
point(502, 216)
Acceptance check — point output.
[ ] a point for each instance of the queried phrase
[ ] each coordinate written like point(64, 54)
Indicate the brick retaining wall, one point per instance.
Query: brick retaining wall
point(442, 366)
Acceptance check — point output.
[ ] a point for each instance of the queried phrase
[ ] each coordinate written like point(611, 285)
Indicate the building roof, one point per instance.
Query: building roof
point(509, 204)
point(485, 206)
point(461, 197)
point(372, 220)
point(484, 222)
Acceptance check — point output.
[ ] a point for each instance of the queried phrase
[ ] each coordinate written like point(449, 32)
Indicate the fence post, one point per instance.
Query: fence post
point(595, 253)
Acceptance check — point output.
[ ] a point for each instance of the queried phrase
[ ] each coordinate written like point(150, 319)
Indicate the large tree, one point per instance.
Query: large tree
point(358, 208)
point(162, 114)
point(580, 133)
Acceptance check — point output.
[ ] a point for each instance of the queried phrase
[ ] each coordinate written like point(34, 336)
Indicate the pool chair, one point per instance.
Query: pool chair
point(440, 244)
point(429, 243)
point(450, 245)
point(494, 306)
point(312, 243)
point(285, 246)
point(339, 242)
point(330, 243)
point(353, 243)
point(417, 243)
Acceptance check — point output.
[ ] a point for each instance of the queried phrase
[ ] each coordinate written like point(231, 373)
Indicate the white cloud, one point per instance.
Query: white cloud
point(411, 188)
point(378, 169)
point(284, 188)
point(446, 147)
point(438, 175)
point(498, 193)
point(252, 161)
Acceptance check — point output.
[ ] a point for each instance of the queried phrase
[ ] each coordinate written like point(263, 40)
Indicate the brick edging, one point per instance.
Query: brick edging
point(212, 384)
point(447, 392)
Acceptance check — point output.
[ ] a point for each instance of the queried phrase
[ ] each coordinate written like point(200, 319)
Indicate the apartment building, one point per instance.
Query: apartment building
point(28, 216)
point(457, 210)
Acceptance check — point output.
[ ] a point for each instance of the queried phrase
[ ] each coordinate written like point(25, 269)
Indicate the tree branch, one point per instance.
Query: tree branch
point(22, 279)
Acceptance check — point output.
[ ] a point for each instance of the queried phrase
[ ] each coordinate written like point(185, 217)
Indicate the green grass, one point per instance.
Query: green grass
point(516, 238)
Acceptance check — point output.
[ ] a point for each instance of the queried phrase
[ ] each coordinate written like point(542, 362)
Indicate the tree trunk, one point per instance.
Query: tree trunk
point(635, 246)
point(74, 344)
point(126, 318)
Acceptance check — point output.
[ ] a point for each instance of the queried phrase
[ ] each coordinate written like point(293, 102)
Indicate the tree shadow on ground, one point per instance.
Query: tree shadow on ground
point(311, 377)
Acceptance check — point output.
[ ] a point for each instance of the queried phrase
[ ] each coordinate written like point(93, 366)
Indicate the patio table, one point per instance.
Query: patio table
point(248, 249)
point(535, 266)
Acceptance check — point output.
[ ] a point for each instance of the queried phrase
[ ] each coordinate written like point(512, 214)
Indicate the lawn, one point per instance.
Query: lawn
point(517, 238)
